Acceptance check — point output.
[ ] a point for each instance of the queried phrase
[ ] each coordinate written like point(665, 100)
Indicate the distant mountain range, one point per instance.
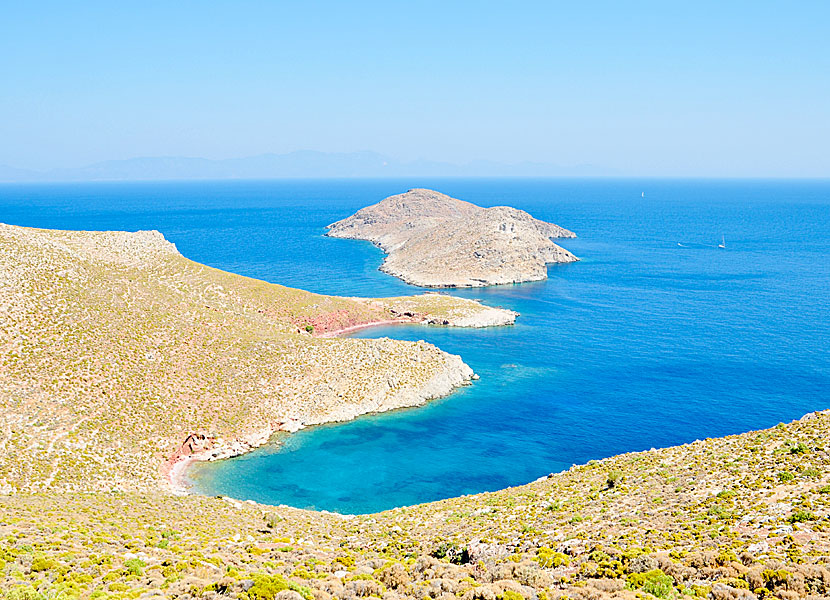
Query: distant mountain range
point(299, 164)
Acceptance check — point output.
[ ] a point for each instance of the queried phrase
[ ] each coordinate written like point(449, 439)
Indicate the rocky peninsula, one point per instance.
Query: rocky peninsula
point(433, 240)
point(119, 358)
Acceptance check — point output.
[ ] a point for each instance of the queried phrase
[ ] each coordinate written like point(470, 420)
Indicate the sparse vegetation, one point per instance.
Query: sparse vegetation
point(614, 478)
point(654, 582)
point(101, 376)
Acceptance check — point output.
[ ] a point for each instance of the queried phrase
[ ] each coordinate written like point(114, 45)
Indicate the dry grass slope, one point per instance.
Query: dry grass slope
point(115, 348)
point(739, 517)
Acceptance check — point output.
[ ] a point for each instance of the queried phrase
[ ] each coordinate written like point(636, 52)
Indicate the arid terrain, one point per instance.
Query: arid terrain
point(117, 351)
point(433, 240)
point(121, 358)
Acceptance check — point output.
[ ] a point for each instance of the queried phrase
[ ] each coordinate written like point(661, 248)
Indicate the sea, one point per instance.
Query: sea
point(656, 337)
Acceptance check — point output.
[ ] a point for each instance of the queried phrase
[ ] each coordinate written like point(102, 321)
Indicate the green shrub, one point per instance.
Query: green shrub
point(720, 513)
point(734, 582)
point(799, 448)
point(725, 557)
point(547, 558)
point(800, 516)
point(452, 552)
point(697, 590)
point(785, 476)
point(271, 520)
point(309, 328)
point(267, 586)
point(775, 578)
point(614, 478)
point(24, 592)
point(42, 563)
point(654, 582)
point(134, 566)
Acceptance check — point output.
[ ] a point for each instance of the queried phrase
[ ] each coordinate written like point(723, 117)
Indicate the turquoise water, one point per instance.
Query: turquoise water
point(644, 343)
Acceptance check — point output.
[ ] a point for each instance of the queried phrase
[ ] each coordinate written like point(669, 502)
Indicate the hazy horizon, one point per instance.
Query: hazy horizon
point(645, 90)
point(313, 165)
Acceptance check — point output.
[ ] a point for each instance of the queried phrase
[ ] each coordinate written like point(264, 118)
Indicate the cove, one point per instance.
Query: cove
point(645, 343)
point(657, 337)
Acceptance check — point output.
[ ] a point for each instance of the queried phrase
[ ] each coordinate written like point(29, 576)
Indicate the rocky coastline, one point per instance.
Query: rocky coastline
point(455, 374)
point(119, 355)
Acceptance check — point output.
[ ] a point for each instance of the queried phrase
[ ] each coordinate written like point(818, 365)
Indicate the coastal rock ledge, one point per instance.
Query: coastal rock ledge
point(433, 240)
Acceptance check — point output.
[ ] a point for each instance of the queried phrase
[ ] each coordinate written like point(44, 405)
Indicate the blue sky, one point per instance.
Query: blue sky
point(645, 88)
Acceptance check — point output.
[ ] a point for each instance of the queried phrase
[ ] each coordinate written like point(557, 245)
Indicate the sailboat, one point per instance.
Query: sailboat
point(643, 195)
point(722, 242)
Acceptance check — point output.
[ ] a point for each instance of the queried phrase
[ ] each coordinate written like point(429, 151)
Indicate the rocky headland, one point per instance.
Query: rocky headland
point(120, 356)
point(433, 240)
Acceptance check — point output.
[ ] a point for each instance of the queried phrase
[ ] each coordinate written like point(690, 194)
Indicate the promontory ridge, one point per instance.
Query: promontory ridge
point(433, 240)
point(120, 360)
point(121, 357)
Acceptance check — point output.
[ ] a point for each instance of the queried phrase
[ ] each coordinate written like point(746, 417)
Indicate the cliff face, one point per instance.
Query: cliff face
point(433, 240)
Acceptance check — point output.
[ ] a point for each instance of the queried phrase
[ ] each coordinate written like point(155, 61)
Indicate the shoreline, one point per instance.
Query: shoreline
point(430, 240)
point(358, 327)
point(173, 471)
point(455, 374)
point(174, 475)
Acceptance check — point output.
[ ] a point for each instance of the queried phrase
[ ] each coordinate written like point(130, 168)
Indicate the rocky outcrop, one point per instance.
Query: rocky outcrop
point(433, 240)
point(392, 394)
point(434, 308)
point(489, 317)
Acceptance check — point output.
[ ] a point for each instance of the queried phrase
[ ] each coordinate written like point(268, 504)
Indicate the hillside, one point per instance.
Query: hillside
point(740, 517)
point(115, 349)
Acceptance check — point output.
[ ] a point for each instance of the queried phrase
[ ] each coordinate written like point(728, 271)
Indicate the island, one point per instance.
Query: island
point(434, 240)
point(121, 360)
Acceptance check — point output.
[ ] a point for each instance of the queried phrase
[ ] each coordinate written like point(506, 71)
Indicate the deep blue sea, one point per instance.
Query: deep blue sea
point(657, 337)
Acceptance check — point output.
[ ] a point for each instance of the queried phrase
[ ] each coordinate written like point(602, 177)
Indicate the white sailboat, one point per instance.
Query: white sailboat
point(722, 242)
point(643, 195)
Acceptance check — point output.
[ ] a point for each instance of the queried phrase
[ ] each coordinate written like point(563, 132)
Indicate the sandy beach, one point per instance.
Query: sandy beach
point(338, 332)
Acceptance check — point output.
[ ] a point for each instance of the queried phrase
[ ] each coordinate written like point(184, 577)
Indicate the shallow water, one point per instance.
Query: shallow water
point(644, 343)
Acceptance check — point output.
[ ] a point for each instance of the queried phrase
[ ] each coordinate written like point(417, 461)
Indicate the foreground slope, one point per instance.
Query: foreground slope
point(740, 517)
point(115, 349)
point(433, 240)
